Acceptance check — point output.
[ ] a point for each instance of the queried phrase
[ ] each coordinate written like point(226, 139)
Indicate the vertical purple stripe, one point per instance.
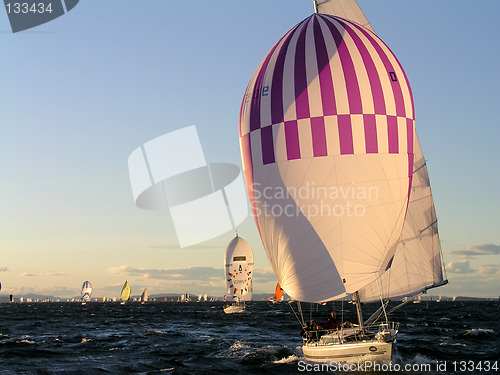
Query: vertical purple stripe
point(409, 132)
point(396, 87)
point(371, 70)
point(292, 140)
point(318, 136)
point(370, 134)
point(277, 110)
point(351, 80)
point(392, 131)
point(325, 74)
point(267, 142)
point(256, 93)
point(300, 75)
point(345, 135)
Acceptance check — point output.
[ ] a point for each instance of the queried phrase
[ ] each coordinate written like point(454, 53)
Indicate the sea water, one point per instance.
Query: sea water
point(198, 338)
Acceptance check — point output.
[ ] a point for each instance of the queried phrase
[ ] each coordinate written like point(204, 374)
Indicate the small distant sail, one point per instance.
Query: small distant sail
point(205, 297)
point(278, 293)
point(125, 296)
point(144, 295)
point(239, 267)
point(86, 291)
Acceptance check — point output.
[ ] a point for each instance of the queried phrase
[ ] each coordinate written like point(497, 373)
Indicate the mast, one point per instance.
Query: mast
point(358, 310)
point(315, 2)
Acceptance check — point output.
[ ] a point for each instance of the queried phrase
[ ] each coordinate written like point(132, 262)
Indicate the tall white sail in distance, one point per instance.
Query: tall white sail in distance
point(417, 263)
point(144, 295)
point(326, 126)
point(86, 291)
point(238, 265)
point(347, 9)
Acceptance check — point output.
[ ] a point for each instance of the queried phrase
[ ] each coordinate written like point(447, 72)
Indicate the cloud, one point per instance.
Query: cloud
point(188, 273)
point(50, 273)
point(264, 275)
point(462, 267)
point(3, 269)
point(475, 250)
point(489, 269)
point(193, 247)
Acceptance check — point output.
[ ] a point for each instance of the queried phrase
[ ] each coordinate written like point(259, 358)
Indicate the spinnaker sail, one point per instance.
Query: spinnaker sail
point(238, 263)
point(86, 291)
point(278, 293)
point(326, 135)
point(125, 295)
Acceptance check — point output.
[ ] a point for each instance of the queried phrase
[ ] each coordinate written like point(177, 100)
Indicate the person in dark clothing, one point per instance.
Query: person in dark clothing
point(332, 323)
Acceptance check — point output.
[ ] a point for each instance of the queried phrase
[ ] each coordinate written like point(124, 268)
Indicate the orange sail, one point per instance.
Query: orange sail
point(278, 293)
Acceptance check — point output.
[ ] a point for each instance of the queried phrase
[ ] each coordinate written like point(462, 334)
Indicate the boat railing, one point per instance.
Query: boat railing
point(352, 333)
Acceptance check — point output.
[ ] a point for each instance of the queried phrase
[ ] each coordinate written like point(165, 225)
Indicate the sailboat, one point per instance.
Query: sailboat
point(125, 295)
point(278, 294)
point(336, 177)
point(238, 261)
point(144, 296)
point(86, 292)
point(440, 297)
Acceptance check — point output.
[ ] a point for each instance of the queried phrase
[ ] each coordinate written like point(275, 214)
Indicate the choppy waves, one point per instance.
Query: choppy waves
point(198, 338)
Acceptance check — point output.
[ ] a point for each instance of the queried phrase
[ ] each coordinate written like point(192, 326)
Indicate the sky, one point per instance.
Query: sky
point(80, 93)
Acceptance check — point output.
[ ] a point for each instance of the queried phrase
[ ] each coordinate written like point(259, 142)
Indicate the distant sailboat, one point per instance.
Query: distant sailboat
point(239, 263)
point(205, 297)
point(336, 178)
point(125, 295)
point(440, 297)
point(86, 292)
point(144, 296)
point(278, 294)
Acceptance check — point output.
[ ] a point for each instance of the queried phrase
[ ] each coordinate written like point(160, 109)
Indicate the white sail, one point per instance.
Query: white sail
point(144, 295)
point(205, 298)
point(86, 291)
point(347, 9)
point(238, 263)
point(417, 262)
point(326, 135)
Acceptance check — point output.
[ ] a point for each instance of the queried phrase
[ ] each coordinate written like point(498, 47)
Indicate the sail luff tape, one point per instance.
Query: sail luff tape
point(170, 172)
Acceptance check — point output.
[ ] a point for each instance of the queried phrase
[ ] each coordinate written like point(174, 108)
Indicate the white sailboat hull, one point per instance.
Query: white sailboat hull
point(349, 352)
point(234, 309)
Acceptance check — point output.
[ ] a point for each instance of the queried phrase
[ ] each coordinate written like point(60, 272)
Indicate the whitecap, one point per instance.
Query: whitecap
point(289, 359)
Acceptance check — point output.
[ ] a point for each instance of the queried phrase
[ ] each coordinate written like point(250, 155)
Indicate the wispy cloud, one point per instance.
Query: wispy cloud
point(462, 267)
point(50, 273)
point(476, 250)
point(3, 269)
point(194, 247)
point(188, 273)
point(489, 269)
